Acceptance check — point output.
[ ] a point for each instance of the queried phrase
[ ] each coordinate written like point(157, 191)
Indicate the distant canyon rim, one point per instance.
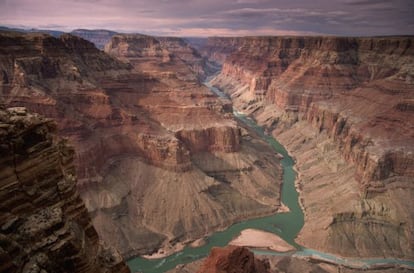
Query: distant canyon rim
point(160, 159)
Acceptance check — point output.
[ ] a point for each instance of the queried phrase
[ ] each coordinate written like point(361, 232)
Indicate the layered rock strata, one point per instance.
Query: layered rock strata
point(217, 181)
point(143, 127)
point(45, 226)
point(183, 50)
point(342, 108)
point(217, 49)
point(170, 50)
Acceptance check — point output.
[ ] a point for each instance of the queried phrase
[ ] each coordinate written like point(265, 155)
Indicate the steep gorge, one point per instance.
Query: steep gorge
point(342, 108)
point(143, 126)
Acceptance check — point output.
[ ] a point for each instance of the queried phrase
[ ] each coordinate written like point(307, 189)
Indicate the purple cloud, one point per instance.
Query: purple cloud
point(216, 17)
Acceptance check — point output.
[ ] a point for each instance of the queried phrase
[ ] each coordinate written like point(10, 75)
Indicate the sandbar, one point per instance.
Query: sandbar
point(261, 239)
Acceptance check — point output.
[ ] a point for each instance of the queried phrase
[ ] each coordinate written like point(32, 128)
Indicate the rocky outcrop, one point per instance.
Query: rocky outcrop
point(45, 226)
point(233, 259)
point(225, 139)
point(353, 96)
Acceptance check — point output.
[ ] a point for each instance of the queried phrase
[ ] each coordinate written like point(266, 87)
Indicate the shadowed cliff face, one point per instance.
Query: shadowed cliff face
point(218, 48)
point(45, 226)
point(342, 107)
point(160, 159)
point(182, 50)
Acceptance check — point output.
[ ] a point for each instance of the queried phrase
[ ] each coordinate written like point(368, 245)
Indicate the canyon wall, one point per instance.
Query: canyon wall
point(342, 107)
point(183, 50)
point(217, 49)
point(143, 126)
point(45, 226)
point(99, 37)
point(171, 50)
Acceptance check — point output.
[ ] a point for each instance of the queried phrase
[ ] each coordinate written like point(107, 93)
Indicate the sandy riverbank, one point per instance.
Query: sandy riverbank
point(261, 239)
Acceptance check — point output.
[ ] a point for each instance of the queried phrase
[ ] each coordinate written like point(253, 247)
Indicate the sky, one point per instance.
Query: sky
point(216, 17)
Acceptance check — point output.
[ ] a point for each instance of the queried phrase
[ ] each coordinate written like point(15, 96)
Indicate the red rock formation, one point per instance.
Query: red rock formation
point(45, 226)
point(233, 259)
point(218, 48)
point(296, 70)
point(305, 69)
point(135, 127)
point(189, 55)
point(225, 139)
point(135, 45)
point(358, 92)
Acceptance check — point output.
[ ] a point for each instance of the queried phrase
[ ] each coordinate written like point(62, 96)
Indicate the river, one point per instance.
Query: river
point(286, 225)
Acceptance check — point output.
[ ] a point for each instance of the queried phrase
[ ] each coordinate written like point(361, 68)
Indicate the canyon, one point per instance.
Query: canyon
point(161, 161)
point(143, 126)
point(343, 109)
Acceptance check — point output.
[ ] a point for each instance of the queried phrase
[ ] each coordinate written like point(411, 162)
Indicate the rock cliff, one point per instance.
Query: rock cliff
point(216, 168)
point(342, 108)
point(135, 45)
point(143, 126)
point(170, 50)
point(183, 50)
point(45, 226)
point(217, 49)
point(233, 259)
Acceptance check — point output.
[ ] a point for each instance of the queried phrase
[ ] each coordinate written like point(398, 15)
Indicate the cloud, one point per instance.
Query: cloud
point(250, 1)
point(366, 2)
point(178, 17)
point(228, 32)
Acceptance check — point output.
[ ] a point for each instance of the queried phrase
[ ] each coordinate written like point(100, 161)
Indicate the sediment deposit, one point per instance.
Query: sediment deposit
point(262, 240)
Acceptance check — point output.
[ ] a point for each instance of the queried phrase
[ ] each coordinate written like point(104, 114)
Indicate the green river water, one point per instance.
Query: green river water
point(286, 225)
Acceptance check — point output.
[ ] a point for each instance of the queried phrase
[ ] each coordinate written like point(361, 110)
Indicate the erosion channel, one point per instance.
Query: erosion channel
point(286, 225)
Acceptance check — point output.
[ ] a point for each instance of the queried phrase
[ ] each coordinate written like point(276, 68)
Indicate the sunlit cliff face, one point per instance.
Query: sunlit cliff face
point(342, 107)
